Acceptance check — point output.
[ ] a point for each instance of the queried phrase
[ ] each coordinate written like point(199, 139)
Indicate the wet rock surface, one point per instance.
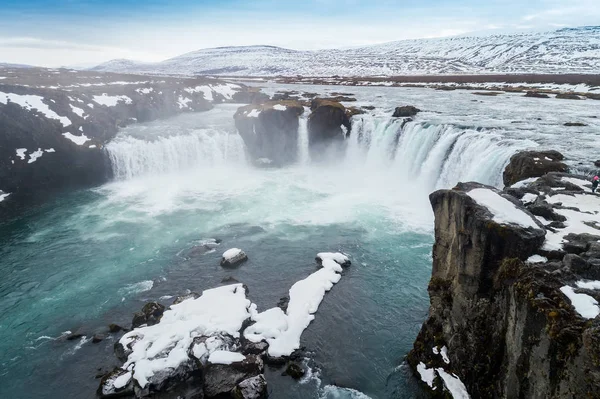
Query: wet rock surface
point(328, 124)
point(270, 131)
point(405, 111)
point(504, 319)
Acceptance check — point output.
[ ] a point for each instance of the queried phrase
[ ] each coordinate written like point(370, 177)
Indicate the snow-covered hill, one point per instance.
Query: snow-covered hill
point(569, 50)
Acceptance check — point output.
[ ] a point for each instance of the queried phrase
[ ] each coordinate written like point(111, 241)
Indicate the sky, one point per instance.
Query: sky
point(88, 32)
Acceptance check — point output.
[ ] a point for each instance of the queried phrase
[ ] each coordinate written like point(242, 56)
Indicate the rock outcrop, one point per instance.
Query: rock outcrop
point(536, 94)
point(405, 111)
point(328, 124)
point(505, 321)
point(528, 164)
point(54, 124)
point(270, 131)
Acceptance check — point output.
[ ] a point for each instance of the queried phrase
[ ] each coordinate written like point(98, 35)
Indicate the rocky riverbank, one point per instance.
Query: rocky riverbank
point(514, 291)
point(54, 124)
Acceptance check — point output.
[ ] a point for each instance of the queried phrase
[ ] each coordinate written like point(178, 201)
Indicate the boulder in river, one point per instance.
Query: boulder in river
point(568, 96)
point(328, 123)
point(270, 131)
point(233, 257)
point(536, 94)
point(221, 379)
point(575, 124)
point(405, 111)
point(251, 388)
point(150, 315)
point(528, 164)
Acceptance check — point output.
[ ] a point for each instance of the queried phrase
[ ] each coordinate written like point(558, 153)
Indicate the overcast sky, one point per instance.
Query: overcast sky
point(88, 32)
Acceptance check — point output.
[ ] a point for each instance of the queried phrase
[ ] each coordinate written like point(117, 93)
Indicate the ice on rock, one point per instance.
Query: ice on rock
point(254, 113)
point(504, 211)
point(537, 259)
point(225, 357)
point(79, 140)
point(165, 345)
point(21, 153)
point(427, 375)
point(584, 304)
point(454, 385)
point(233, 257)
point(282, 331)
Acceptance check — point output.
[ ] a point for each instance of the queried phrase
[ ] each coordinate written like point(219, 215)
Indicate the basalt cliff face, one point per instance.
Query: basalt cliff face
point(513, 294)
point(54, 124)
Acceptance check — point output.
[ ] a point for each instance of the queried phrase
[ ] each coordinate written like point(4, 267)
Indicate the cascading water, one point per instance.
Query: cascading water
point(303, 153)
point(131, 157)
point(436, 156)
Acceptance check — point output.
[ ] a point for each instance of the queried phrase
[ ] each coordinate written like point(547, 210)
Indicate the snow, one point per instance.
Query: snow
point(145, 90)
point(92, 146)
point(529, 198)
point(111, 101)
point(444, 353)
point(584, 184)
point(50, 150)
point(537, 259)
point(589, 285)
point(231, 253)
point(279, 107)
point(79, 140)
point(122, 380)
point(33, 102)
point(427, 375)
point(164, 345)
point(564, 51)
point(35, 155)
point(227, 90)
point(504, 211)
point(584, 304)
point(225, 357)
point(588, 204)
point(524, 183)
point(205, 90)
point(254, 113)
point(21, 153)
point(3, 196)
point(454, 385)
point(77, 111)
point(183, 102)
point(335, 256)
point(283, 330)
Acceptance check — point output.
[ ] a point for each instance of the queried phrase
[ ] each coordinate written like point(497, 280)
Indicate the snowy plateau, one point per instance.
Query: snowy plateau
point(568, 50)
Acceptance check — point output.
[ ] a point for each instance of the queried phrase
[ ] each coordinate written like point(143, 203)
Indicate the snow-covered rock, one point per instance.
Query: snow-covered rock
point(233, 257)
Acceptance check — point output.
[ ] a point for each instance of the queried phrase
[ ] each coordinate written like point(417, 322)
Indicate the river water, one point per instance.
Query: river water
point(93, 257)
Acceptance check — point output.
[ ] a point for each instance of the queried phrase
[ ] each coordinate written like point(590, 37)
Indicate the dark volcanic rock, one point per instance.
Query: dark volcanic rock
point(107, 388)
point(114, 328)
point(535, 94)
point(251, 388)
point(509, 330)
point(328, 124)
point(405, 111)
point(150, 315)
point(270, 131)
point(220, 379)
point(97, 338)
point(294, 370)
point(575, 124)
point(234, 259)
point(568, 96)
point(528, 164)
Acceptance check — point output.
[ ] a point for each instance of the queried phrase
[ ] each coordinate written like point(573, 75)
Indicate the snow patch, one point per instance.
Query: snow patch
point(226, 90)
point(3, 195)
point(111, 101)
point(21, 153)
point(77, 111)
point(35, 155)
point(529, 198)
point(50, 150)
point(537, 259)
point(589, 285)
point(427, 375)
point(584, 304)
point(254, 113)
point(79, 140)
point(504, 211)
point(225, 357)
point(282, 331)
point(279, 107)
point(524, 183)
point(183, 102)
point(33, 102)
point(454, 385)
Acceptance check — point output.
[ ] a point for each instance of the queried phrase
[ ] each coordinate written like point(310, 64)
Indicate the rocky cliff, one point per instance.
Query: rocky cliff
point(514, 297)
point(55, 123)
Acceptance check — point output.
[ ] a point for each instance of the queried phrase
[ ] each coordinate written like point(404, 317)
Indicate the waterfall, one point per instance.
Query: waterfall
point(303, 153)
point(131, 157)
point(431, 155)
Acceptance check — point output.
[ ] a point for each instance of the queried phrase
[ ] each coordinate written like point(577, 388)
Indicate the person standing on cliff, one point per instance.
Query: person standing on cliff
point(595, 182)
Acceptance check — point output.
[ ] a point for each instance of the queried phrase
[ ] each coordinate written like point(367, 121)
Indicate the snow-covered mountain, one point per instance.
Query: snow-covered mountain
point(569, 50)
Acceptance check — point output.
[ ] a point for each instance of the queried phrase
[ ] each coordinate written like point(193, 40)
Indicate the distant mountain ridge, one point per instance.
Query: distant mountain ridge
point(567, 50)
